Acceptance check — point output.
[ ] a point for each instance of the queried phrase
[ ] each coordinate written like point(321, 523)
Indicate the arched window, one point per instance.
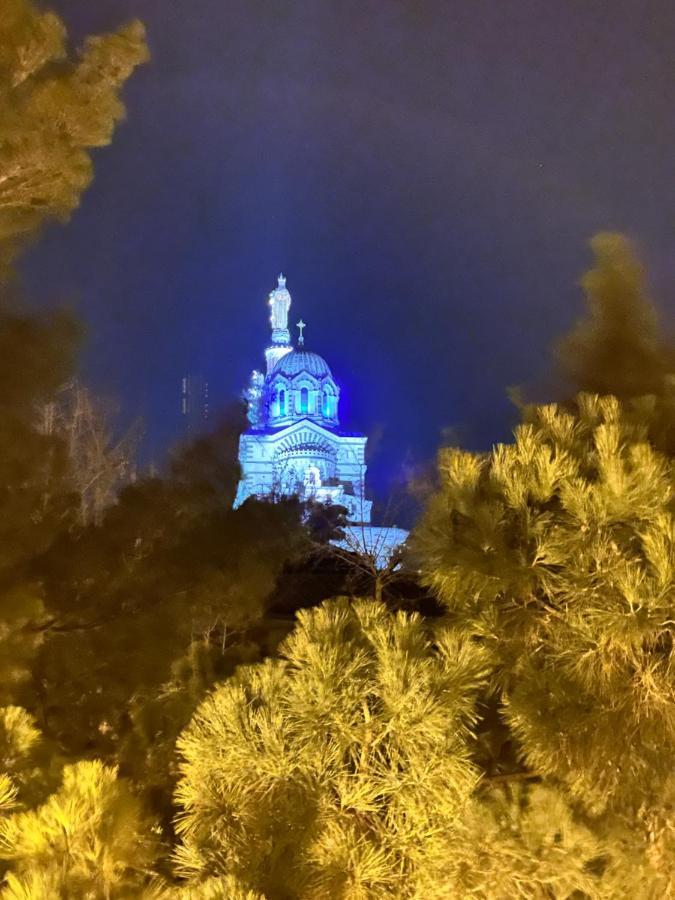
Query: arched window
point(304, 400)
point(282, 402)
point(326, 404)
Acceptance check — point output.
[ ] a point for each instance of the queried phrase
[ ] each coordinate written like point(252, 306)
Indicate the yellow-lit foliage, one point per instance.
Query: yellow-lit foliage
point(18, 736)
point(53, 112)
point(36, 498)
point(89, 839)
point(327, 773)
point(619, 347)
point(518, 841)
point(225, 888)
point(7, 793)
point(557, 552)
point(24, 775)
point(36, 884)
point(343, 771)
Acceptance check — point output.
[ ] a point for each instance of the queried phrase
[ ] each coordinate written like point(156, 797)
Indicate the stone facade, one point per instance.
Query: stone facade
point(294, 444)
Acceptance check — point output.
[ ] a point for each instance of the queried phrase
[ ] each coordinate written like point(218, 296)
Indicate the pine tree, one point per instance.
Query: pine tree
point(328, 772)
point(89, 839)
point(620, 347)
point(7, 793)
point(154, 605)
point(22, 763)
point(343, 770)
point(216, 889)
point(37, 503)
point(557, 553)
point(53, 111)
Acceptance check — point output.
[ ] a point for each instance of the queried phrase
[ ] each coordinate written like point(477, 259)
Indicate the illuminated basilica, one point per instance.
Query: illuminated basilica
point(294, 444)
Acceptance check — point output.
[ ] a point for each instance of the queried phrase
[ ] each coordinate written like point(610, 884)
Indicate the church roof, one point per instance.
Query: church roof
point(298, 361)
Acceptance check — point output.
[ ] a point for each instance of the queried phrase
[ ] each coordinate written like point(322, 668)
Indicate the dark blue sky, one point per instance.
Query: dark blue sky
point(427, 175)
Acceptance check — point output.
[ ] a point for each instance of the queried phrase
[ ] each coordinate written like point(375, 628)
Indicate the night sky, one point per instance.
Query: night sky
point(426, 174)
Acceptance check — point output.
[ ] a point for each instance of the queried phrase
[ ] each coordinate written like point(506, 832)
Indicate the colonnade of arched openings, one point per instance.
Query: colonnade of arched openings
point(304, 400)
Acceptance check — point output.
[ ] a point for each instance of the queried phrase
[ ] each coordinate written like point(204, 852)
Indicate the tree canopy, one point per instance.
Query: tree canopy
point(54, 110)
point(328, 772)
point(621, 347)
point(557, 553)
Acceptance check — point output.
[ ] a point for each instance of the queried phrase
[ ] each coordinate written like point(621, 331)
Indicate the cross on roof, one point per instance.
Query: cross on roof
point(301, 326)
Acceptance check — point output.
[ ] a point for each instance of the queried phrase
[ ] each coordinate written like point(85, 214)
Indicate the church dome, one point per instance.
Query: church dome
point(298, 361)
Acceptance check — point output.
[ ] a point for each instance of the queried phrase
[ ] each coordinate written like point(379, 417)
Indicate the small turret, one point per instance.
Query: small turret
point(254, 399)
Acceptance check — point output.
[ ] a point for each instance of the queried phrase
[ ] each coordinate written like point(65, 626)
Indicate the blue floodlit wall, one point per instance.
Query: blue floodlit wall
point(294, 444)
